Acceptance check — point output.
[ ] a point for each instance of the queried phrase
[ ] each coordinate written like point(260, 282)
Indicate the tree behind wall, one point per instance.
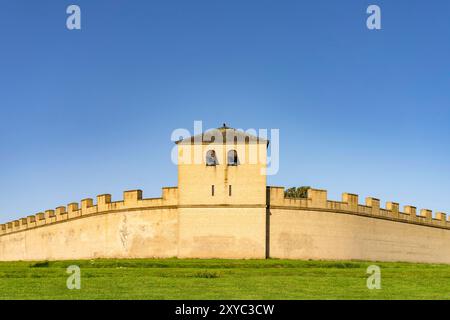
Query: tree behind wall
point(299, 192)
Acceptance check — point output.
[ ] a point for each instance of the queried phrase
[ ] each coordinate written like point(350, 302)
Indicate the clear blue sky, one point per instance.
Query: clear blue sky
point(90, 112)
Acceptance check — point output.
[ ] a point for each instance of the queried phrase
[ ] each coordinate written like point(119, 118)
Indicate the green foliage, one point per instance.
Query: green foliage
point(300, 192)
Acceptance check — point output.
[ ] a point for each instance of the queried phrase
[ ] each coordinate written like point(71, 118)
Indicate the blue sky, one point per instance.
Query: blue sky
point(90, 112)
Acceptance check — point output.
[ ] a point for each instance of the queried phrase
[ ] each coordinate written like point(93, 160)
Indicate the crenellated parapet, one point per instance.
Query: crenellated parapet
point(132, 200)
point(317, 200)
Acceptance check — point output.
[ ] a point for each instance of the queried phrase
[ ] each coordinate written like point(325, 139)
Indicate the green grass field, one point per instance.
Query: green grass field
point(222, 279)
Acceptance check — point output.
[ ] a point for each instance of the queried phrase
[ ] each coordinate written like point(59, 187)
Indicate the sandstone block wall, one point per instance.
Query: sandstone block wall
point(132, 228)
point(137, 228)
point(316, 228)
point(310, 228)
point(222, 232)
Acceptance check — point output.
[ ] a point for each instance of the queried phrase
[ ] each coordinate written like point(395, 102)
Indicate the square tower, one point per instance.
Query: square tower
point(222, 195)
point(222, 166)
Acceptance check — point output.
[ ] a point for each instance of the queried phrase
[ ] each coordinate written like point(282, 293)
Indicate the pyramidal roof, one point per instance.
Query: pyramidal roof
point(223, 135)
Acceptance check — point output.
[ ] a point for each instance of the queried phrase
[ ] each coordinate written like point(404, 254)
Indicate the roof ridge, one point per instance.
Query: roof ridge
point(224, 131)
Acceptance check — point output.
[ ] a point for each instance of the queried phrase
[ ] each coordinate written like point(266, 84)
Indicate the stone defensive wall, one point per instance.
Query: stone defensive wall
point(131, 228)
point(318, 228)
point(310, 228)
point(132, 200)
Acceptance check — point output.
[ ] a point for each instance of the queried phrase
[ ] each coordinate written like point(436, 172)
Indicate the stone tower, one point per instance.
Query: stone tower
point(222, 193)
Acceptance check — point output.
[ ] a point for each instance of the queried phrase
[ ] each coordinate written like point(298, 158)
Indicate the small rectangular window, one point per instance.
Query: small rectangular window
point(212, 190)
point(229, 190)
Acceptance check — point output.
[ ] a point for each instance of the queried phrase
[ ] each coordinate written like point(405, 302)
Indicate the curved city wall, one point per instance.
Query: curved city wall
point(310, 228)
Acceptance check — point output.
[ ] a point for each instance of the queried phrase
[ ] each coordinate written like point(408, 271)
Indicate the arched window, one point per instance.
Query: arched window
point(232, 158)
point(211, 159)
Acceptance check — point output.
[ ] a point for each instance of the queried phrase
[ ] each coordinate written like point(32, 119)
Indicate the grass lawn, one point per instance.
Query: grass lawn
point(222, 279)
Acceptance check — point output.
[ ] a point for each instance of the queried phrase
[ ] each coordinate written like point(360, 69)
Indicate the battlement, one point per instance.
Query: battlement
point(132, 200)
point(317, 200)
